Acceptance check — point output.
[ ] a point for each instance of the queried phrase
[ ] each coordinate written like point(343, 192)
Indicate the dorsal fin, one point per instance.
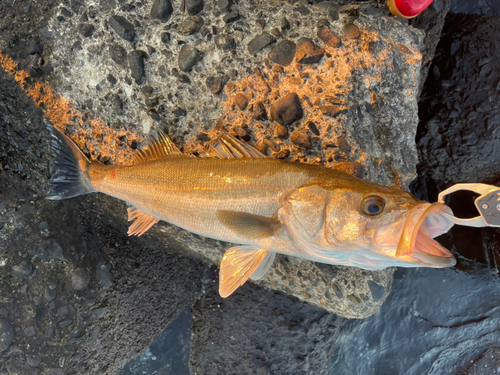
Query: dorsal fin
point(228, 147)
point(157, 149)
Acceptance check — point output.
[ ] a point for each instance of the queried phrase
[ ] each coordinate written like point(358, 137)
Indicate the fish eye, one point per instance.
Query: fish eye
point(373, 205)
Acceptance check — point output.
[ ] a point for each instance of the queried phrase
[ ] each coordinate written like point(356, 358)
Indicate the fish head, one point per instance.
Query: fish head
point(366, 225)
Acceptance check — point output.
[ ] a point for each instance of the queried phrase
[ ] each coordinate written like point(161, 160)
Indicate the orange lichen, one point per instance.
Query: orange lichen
point(62, 113)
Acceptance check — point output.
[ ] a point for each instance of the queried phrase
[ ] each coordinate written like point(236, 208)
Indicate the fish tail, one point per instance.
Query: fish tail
point(69, 179)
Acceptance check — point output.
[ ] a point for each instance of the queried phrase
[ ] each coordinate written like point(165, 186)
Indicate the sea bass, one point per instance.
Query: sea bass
point(266, 206)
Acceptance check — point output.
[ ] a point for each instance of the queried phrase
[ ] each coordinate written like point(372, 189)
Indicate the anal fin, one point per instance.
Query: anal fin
point(239, 264)
point(142, 223)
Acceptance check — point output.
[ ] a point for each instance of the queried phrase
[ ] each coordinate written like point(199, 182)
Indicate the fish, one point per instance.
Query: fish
point(266, 206)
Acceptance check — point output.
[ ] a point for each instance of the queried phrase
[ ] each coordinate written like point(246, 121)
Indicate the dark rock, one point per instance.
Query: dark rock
point(225, 5)
point(302, 10)
point(104, 276)
point(43, 225)
point(50, 294)
point(188, 57)
point(7, 335)
point(351, 31)
point(162, 10)
point(193, 6)
point(80, 279)
point(33, 360)
point(86, 29)
point(190, 25)
point(111, 79)
point(23, 269)
point(242, 133)
point(35, 46)
point(136, 64)
point(100, 312)
point(333, 14)
point(287, 109)
point(46, 33)
point(122, 27)
point(29, 331)
point(66, 12)
point(372, 12)
point(50, 331)
point(281, 132)
point(259, 42)
point(202, 137)
point(118, 54)
point(284, 24)
point(283, 53)
point(165, 38)
point(301, 139)
point(259, 112)
point(260, 23)
point(116, 104)
point(215, 84)
point(282, 154)
point(329, 38)
point(313, 128)
point(232, 16)
point(225, 42)
point(241, 101)
point(308, 52)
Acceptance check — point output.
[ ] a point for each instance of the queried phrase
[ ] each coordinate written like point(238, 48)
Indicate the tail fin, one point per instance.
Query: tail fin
point(71, 165)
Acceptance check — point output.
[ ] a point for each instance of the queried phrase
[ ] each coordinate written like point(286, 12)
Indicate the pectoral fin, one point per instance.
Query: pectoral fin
point(248, 226)
point(142, 224)
point(239, 264)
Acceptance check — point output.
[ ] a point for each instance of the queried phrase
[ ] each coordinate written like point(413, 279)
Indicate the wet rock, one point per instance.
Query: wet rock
point(122, 27)
point(50, 294)
point(7, 335)
point(103, 275)
point(215, 84)
point(193, 6)
point(136, 64)
point(232, 16)
point(118, 54)
point(351, 31)
point(329, 38)
point(241, 101)
point(301, 139)
point(49, 249)
point(283, 53)
point(23, 269)
point(190, 25)
point(188, 57)
point(281, 132)
point(307, 52)
point(225, 5)
point(287, 109)
point(35, 46)
point(259, 112)
point(225, 42)
point(162, 10)
point(80, 279)
point(29, 331)
point(86, 29)
point(33, 360)
point(260, 42)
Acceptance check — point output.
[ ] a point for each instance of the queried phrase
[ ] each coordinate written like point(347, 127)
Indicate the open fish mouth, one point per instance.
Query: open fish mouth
point(416, 245)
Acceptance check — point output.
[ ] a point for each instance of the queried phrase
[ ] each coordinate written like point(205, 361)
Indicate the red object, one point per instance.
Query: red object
point(408, 8)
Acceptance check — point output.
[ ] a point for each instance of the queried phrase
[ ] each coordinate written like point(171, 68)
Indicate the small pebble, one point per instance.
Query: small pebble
point(351, 31)
point(80, 279)
point(7, 335)
point(33, 360)
point(23, 269)
point(241, 101)
point(287, 109)
point(29, 331)
point(43, 225)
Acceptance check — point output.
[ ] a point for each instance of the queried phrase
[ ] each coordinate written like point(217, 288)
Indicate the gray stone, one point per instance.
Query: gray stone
point(118, 54)
point(232, 16)
point(35, 45)
point(103, 274)
point(29, 331)
point(52, 371)
point(190, 25)
point(100, 312)
point(188, 57)
point(137, 68)
point(62, 311)
point(80, 279)
point(259, 42)
point(225, 42)
point(33, 360)
point(86, 29)
point(162, 10)
point(225, 5)
point(193, 6)
point(7, 335)
point(50, 294)
point(283, 53)
point(23, 269)
point(50, 331)
point(49, 249)
point(122, 27)
point(43, 225)
point(378, 291)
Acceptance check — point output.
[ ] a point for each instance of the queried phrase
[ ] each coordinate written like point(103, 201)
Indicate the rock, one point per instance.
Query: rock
point(50, 331)
point(284, 24)
point(43, 225)
point(232, 16)
point(86, 29)
point(242, 133)
point(80, 279)
point(29, 331)
point(281, 132)
point(52, 371)
point(111, 79)
point(33, 360)
point(328, 37)
point(225, 42)
point(100, 312)
point(283, 53)
point(307, 52)
point(487, 363)
point(50, 294)
point(190, 25)
point(303, 10)
point(287, 109)
point(351, 31)
point(193, 6)
point(301, 139)
point(35, 46)
point(313, 128)
point(378, 291)
point(162, 10)
point(62, 311)
point(23, 269)
point(215, 84)
point(137, 68)
point(271, 145)
point(122, 27)
point(118, 54)
point(260, 23)
point(188, 57)
point(7, 335)
point(49, 249)
point(103, 275)
point(259, 112)
point(224, 5)
point(259, 42)
point(241, 101)
point(165, 38)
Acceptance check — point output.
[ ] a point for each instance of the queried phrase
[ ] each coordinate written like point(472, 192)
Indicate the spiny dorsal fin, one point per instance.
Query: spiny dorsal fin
point(239, 264)
point(246, 225)
point(142, 224)
point(157, 149)
point(228, 147)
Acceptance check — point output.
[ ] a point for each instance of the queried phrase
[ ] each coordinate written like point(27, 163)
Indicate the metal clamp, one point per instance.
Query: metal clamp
point(488, 205)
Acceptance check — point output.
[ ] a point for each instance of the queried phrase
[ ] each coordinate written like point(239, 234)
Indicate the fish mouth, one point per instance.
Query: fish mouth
point(415, 244)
